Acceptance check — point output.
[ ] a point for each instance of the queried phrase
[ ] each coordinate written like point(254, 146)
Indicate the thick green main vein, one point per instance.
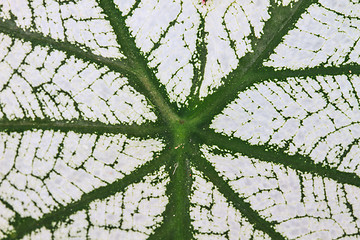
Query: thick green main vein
point(268, 73)
point(9, 28)
point(24, 226)
point(176, 225)
point(81, 126)
point(146, 80)
point(281, 21)
point(263, 153)
point(239, 203)
point(198, 61)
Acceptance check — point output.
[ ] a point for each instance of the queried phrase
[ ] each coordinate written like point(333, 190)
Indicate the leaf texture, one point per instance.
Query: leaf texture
point(181, 119)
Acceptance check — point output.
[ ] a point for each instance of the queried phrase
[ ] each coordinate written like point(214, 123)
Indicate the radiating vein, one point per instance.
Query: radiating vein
point(239, 203)
point(146, 78)
point(82, 126)
point(199, 62)
point(9, 27)
point(279, 156)
point(281, 21)
point(24, 226)
point(176, 216)
point(267, 73)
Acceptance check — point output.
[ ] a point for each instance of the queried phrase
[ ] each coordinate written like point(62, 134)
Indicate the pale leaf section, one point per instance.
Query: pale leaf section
point(42, 170)
point(165, 31)
point(131, 214)
point(37, 82)
point(6, 215)
point(327, 34)
point(230, 26)
point(213, 217)
point(79, 22)
point(286, 2)
point(302, 206)
point(187, 42)
point(316, 117)
point(125, 6)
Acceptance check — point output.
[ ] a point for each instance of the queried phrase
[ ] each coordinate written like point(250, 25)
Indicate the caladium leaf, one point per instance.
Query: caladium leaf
point(179, 119)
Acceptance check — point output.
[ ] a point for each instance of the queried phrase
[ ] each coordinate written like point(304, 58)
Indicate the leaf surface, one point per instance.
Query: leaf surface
point(179, 119)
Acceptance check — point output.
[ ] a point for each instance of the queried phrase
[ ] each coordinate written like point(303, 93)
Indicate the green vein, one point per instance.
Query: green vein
point(24, 226)
point(239, 203)
point(149, 84)
point(81, 126)
point(9, 28)
point(198, 62)
point(279, 156)
point(266, 73)
point(281, 21)
point(177, 225)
